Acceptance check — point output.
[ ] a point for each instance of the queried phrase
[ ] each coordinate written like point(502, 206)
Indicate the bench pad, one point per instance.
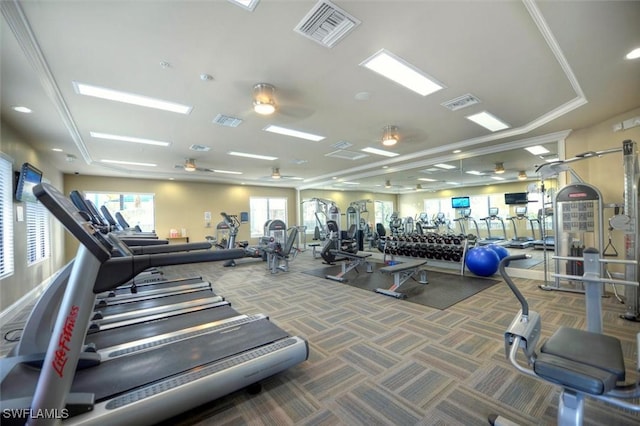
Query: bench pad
point(587, 361)
point(402, 266)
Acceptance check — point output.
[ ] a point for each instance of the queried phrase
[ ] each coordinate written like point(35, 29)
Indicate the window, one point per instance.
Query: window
point(263, 209)
point(37, 217)
point(137, 209)
point(6, 218)
point(383, 211)
point(309, 216)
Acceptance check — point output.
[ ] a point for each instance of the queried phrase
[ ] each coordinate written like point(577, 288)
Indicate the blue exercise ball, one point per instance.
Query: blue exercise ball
point(482, 261)
point(501, 251)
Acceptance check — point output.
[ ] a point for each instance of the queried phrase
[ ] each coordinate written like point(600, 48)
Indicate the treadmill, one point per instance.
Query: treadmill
point(516, 241)
point(490, 239)
point(144, 387)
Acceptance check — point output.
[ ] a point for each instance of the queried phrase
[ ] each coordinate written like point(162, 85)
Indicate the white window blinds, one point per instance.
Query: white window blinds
point(6, 218)
point(37, 217)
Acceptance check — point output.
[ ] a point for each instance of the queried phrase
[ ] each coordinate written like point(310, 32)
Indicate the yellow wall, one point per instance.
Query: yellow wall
point(25, 278)
point(182, 204)
point(605, 172)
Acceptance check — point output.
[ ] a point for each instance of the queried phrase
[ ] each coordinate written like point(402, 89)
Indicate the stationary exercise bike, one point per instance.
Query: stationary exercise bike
point(585, 363)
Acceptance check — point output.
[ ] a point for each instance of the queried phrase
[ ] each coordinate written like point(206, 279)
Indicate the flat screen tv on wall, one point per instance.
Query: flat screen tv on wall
point(28, 177)
point(460, 203)
point(516, 198)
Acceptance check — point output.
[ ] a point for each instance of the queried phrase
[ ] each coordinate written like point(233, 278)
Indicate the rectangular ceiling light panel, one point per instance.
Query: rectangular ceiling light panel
point(131, 139)
point(381, 152)
point(130, 98)
point(256, 156)
point(427, 180)
point(294, 133)
point(445, 166)
point(246, 4)
point(128, 163)
point(488, 121)
point(394, 68)
point(228, 172)
point(537, 150)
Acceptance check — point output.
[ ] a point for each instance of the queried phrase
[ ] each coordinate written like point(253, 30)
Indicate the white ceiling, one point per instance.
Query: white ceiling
point(543, 67)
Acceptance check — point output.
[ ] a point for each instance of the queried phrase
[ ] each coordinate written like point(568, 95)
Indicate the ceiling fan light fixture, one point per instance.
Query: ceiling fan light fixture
point(276, 173)
point(499, 168)
point(190, 165)
point(522, 175)
point(390, 135)
point(263, 99)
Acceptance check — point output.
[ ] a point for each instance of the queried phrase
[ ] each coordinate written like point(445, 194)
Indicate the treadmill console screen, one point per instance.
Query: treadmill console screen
point(64, 210)
point(521, 211)
point(493, 211)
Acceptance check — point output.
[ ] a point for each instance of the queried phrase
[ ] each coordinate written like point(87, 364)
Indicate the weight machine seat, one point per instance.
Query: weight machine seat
point(582, 360)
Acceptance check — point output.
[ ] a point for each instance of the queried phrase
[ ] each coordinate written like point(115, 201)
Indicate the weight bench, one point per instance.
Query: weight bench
point(350, 261)
point(401, 273)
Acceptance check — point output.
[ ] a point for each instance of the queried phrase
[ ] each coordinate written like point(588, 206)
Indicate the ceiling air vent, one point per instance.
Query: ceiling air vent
point(461, 102)
point(347, 155)
point(341, 145)
point(199, 148)
point(326, 24)
point(227, 120)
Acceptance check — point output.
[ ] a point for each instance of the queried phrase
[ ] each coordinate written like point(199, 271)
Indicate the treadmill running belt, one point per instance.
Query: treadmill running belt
point(154, 303)
point(120, 335)
point(123, 374)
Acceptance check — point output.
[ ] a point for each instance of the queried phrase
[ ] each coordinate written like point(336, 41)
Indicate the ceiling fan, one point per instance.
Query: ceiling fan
point(268, 99)
point(277, 176)
point(190, 166)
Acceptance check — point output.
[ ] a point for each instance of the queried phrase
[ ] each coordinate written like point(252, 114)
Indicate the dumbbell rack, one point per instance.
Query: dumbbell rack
point(442, 250)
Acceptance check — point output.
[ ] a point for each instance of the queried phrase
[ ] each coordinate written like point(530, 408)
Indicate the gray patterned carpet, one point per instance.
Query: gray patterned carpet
point(375, 360)
point(442, 291)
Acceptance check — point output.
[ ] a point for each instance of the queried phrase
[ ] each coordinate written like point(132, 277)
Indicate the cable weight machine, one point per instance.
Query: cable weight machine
point(579, 207)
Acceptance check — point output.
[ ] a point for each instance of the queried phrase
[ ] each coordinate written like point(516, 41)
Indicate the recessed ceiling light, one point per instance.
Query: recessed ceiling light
point(56, 149)
point(427, 180)
point(444, 166)
point(128, 163)
point(496, 178)
point(229, 172)
point(377, 151)
point(295, 133)
point(452, 183)
point(474, 172)
point(256, 156)
point(394, 68)
point(130, 98)
point(634, 54)
point(350, 183)
point(22, 109)
point(488, 121)
point(131, 139)
point(537, 149)
point(457, 151)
